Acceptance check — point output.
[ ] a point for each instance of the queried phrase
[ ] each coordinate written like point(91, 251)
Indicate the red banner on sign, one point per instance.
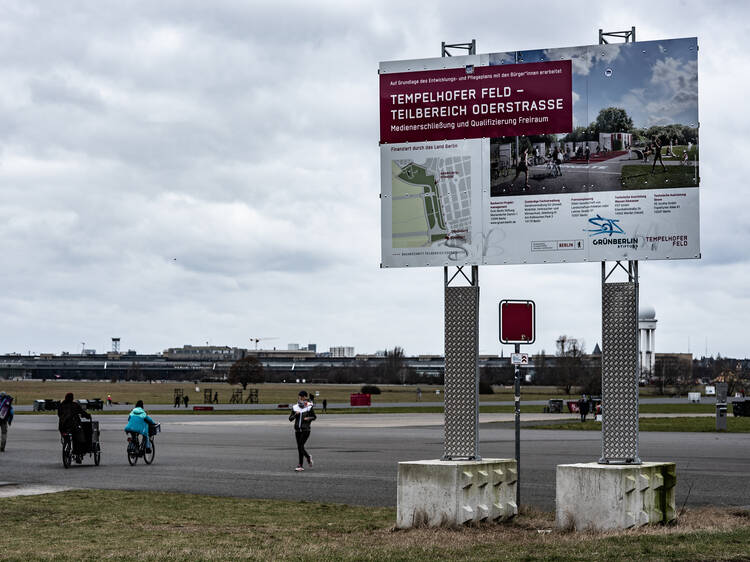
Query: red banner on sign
point(475, 102)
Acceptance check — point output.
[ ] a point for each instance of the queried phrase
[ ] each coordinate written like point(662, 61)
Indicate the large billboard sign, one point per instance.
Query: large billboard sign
point(556, 155)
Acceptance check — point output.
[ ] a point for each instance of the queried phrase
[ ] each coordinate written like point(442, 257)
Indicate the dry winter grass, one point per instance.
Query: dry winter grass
point(158, 526)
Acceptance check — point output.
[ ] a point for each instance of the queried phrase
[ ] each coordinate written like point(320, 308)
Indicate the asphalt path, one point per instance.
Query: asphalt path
point(375, 404)
point(576, 177)
point(356, 457)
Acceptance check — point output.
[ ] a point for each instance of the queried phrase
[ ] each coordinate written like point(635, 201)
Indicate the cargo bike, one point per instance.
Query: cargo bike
point(83, 441)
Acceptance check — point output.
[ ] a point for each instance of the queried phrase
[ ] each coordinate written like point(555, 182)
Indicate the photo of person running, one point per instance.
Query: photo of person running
point(657, 155)
point(302, 415)
point(523, 166)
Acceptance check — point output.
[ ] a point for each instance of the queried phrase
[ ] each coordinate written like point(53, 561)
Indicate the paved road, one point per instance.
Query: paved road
point(356, 457)
point(376, 404)
point(599, 175)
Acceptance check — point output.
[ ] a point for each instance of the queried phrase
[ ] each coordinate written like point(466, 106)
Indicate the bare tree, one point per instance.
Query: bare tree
point(570, 364)
point(245, 371)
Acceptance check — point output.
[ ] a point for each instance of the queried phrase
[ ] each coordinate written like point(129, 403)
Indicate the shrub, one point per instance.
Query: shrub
point(369, 389)
point(485, 387)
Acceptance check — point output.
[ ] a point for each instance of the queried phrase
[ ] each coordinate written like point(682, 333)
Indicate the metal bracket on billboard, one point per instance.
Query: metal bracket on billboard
point(473, 281)
point(470, 48)
point(629, 36)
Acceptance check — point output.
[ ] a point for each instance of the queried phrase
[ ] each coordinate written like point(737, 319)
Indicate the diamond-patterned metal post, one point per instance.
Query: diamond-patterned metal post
point(461, 386)
point(620, 367)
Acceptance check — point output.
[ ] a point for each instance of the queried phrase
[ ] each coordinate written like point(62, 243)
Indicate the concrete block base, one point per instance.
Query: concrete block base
point(447, 493)
point(602, 496)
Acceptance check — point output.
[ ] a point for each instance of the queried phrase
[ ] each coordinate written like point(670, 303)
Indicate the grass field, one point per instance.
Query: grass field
point(734, 425)
point(99, 524)
point(639, 176)
point(677, 150)
point(25, 392)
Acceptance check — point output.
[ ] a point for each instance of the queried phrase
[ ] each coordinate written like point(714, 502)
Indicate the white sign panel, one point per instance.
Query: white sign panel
point(545, 156)
point(519, 359)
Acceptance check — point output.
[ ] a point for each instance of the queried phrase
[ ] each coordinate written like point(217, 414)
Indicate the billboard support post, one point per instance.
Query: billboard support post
point(461, 384)
point(517, 420)
point(620, 364)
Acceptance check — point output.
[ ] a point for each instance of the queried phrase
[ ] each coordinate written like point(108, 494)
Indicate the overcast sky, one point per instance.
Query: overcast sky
point(188, 172)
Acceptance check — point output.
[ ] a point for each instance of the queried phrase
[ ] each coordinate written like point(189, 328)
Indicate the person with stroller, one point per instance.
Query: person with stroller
point(69, 414)
point(139, 422)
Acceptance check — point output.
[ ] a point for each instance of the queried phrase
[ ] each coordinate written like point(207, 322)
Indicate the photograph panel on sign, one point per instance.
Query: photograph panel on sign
point(634, 123)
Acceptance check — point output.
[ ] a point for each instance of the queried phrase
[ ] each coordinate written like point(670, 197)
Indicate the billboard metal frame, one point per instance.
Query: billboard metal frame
point(620, 350)
point(461, 320)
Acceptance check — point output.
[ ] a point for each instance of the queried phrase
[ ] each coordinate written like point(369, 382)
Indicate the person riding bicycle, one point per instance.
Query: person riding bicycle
point(140, 422)
point(69, 414)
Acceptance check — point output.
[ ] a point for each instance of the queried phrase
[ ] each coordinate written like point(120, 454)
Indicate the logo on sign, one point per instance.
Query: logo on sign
point(604, 226)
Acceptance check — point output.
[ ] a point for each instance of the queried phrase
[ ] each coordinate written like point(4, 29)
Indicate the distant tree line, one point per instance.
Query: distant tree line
point(616, 120)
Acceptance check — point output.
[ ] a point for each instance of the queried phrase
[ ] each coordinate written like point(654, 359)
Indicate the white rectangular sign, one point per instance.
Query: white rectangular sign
point(604, 164)
point(519, 359)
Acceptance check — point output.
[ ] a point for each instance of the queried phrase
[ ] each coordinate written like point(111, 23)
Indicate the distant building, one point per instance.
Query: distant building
point(203, 352)
point(292, 347)
point(341, 351)
point(676, 367)
point(647, 339)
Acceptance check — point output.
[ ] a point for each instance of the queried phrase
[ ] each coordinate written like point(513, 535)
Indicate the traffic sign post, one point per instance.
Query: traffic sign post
point(518, 326)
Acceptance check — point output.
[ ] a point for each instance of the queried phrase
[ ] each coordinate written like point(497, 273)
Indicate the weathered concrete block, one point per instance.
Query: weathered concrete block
point(448, 493)
point(602, 496)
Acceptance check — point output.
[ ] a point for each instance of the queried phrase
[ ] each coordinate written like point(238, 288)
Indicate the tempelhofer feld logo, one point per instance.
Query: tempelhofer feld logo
point(607, 228)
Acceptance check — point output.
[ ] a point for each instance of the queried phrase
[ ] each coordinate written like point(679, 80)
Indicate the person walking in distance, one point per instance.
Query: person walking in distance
point(186, 399)
point(583, 407)
point(6, 418)
point(302, 415)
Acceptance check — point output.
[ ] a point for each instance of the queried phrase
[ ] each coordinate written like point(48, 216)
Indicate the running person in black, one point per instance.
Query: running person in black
point(657, 155)
point(302, 415)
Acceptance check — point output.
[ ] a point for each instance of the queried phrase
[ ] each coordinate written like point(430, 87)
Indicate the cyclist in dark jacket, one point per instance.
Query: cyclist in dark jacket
point(69, 414)
point(302, 415)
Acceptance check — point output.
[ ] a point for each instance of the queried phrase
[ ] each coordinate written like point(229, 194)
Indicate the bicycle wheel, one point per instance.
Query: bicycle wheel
point(133, 451)
point(67, 453)
point(149, 457)
point(97, 455)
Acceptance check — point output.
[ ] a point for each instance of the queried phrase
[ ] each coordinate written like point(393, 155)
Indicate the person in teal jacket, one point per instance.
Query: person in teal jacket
point(139, 422)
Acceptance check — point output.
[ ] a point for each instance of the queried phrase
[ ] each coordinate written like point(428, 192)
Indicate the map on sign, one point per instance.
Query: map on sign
point(431, 201)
